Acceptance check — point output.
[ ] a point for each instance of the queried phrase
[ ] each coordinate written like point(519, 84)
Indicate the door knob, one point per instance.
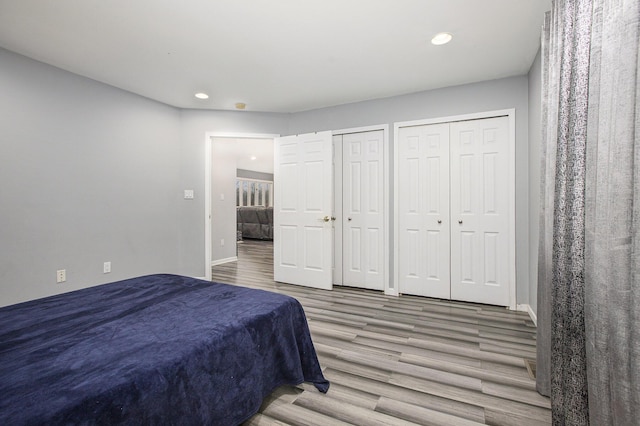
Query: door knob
point(349, 219)
point(439, 221)
point(333, 218)
point(326, 218)
point(460, 221)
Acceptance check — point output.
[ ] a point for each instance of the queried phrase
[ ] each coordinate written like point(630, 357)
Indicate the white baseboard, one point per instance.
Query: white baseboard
point(221, 261)
point(391, 292)
point(525, 307)
point(533, 316)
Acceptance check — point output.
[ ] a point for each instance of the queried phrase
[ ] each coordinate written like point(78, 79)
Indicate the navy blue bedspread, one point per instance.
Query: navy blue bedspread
point(160, 349)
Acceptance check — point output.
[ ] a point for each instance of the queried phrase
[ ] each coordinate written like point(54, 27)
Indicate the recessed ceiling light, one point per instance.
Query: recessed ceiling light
point(253, 157)
point(241, 105)
point(202, 96)
point(441, 38)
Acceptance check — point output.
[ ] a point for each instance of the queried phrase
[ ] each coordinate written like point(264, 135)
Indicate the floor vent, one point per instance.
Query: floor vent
point(531, 368)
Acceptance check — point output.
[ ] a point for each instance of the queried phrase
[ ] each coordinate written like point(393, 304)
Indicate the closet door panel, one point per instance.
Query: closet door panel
point(423, 209)
point(479, 211)
point(337, 210)
point(363, 212)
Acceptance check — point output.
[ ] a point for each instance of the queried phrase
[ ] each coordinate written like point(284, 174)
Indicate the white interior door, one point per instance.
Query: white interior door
point(453, 210)
point(363, 210)
point(423, 211)
point(302, 240)
point(337, 210)
point(479, 211)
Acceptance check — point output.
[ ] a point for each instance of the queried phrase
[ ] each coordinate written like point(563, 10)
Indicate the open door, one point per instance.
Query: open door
point(302, 236)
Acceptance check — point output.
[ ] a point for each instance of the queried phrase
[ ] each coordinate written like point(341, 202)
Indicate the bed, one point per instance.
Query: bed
point(159, 349)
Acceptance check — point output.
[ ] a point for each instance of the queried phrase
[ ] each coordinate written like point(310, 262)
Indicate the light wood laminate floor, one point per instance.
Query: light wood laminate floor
point(400, 360)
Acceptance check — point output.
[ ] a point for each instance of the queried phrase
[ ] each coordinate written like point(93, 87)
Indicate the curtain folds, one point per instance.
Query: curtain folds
point(589, 257)
point(612, 221)
point(547, 174)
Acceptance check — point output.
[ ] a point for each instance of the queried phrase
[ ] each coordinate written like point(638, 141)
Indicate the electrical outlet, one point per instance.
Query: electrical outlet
point(222, 242)
point(61, 275)
point(188, 194)
point(106, 268)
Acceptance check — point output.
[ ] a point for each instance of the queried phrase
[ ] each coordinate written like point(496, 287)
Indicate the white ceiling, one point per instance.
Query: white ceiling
point(261, 149)
point(276, 55)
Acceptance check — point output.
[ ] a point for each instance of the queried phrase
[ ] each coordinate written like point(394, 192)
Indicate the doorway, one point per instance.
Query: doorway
point(383, 269)
point(220, 198)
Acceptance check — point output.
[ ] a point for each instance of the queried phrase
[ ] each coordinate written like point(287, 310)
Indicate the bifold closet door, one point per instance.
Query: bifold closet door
point(453, 210)
point(362, 210)
point(423, 211)
point(480, 211)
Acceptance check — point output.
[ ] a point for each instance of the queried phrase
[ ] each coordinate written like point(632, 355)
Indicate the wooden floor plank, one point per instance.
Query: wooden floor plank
point(421, 415)
point(347, 412)
point(400, 360)
point(399, 393)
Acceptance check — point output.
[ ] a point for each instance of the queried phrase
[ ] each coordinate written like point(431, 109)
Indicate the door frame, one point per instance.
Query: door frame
point(388, 290)
point(511, 114)
point(208, 150)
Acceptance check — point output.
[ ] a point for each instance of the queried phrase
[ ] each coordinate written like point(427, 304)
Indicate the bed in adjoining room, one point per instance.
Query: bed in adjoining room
point(159, 349)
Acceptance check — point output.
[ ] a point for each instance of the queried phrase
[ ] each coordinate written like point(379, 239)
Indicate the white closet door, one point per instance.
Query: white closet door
point(423, 209)
point(303, 244)
point(337, 209)
point(362, 210)
point(480, 211)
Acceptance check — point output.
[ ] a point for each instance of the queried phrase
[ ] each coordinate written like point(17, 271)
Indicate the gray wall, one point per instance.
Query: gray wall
point(485, 96)
point(535, 142)
point(223, 212)
point(250, 174)
point(89, 174)
point(195, 125)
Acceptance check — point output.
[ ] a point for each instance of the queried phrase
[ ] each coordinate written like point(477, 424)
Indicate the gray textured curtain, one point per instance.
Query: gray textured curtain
point(612, 220)
point(589, 259)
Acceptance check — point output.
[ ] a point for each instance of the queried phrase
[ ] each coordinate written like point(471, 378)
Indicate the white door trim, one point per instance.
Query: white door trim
point(207, 186)
point(511, 114)
point(388, 289)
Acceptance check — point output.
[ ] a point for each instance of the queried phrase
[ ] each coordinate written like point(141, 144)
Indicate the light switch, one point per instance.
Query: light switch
point(221, 197)
point(188, 194)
